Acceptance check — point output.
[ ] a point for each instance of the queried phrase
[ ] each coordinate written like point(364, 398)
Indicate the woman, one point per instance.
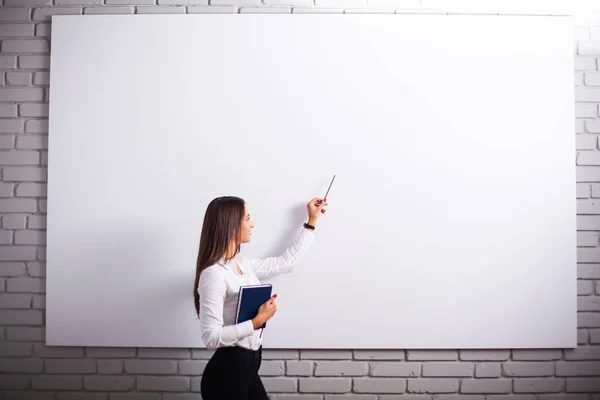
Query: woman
point(232, 372)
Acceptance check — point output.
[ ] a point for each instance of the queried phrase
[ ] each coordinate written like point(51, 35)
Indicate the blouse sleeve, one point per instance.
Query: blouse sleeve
point(271, 266)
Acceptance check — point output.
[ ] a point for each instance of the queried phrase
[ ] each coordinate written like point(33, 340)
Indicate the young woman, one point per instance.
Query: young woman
point(232, 372)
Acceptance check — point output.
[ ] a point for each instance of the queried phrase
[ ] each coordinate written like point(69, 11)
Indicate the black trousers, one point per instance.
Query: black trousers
point(232, 374)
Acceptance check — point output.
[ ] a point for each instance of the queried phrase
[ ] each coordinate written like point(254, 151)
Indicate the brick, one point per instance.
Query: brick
point(582, 336)
point(113, 383)
point(17, 253)
point(110, 367)
point(190, 2)
point(331, 397)
point(440, 385)
point(6, 237)
point(34, 62)
point(212, 10)
point(23, 174)
point(30, 237)
point(451, 369)
point(12, 269)
point(459, 397)
point(27, 2)
point(587, 94)
point(592, 126)
point(588, 158)
point(43, 29)
point(82, 396)
point(39, 302)
point(282, 385)
point(36, 269)
point(583, 353)
point(14, 221)
point(42, 351)
point(163, 353)
point(160, 10)
point(8, 110)
point(341, 3)
point(539, 385)
point(34, 110)
point(586, 141)
point(586, 48)
point(18, 78)
point(432, 355)
point(6, 141)
point(585, 63)
point(578, 368)
point(300, 368)
point(109, 352)
point(14, 30)
point(15, 349)
point(36, 126)
point(15, 14)
point(233, 2)
point(592, 78)
point(588, 271)
point(14, 381)
point(41, 78)
point(325, 354)
point(19, 157)
point(584, 239)
point(44, 160)
point(6, 189)
point(588, 303)
point(78, 2)
point(26, 284)
point(8, 62)
point(156, 367)
point(15, 300)
point(588, 320)
point(484, 355)
point(70, 366)
point(52, 382)
point(163, 383)
point(384, 385)
point(26, 334)
point(585, 288)
point(588, 255)
point(11, 125)
point(271, 368)
point(43, 206)
point(595, 336)
point(265, 10)
point(19, 365)
point(277, 354)
point(528, 369)
point(583, 110)
point(194, 367)
point(36, 222)
point(409, 369)
point(33, 142)
point(486, 386)
point(289, 2)
point(19, 94)
point(378, 354)
point(536, 355)
point(130, 2)
point(21, 317)
point(341, 368)
point(595, 190)
point(583, 385)
point(45, 13)
point(108, 10)
point(25, 46)
point(33, 190)
point(488, 370)
point(511, 397)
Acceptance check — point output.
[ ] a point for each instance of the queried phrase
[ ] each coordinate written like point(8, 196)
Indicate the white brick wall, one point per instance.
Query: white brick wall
point(30, 370)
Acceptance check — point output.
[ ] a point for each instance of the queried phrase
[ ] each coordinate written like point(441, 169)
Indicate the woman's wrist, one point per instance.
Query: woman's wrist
point(312, 221)
point(257, 322)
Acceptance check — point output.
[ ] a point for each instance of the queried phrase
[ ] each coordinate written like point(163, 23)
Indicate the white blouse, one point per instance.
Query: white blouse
point(219, 290)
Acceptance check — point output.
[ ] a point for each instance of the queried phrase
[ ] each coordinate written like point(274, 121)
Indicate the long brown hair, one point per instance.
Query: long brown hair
point(222, 223)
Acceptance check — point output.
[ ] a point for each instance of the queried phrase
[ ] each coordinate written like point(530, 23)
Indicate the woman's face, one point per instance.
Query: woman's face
point(247, 226)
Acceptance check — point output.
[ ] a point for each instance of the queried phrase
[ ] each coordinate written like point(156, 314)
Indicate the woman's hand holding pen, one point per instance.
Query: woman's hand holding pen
point(315, 208)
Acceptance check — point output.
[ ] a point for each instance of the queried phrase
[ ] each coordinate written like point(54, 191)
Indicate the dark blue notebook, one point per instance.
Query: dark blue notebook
point(250, 299)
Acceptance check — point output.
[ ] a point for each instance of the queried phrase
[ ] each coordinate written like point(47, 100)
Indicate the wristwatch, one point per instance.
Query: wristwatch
point(309, 226)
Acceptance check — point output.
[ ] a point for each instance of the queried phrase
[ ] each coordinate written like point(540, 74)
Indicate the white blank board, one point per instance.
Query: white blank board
point(451, 221)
